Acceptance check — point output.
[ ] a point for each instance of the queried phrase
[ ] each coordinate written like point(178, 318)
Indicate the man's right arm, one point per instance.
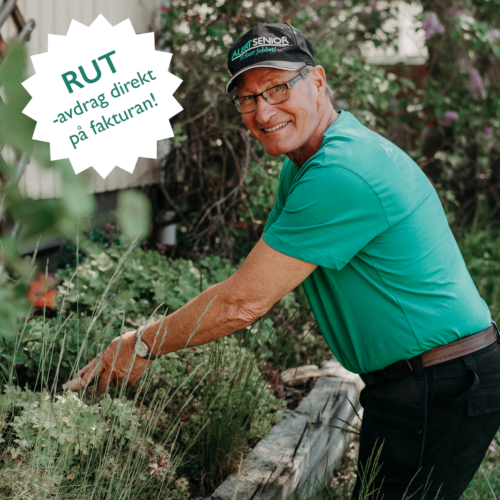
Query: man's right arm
point(263, 279)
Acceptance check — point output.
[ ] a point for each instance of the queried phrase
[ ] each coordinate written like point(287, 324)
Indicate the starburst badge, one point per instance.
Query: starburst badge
point(102, 96)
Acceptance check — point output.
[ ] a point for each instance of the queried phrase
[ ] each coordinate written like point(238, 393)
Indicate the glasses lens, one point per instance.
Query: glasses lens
point(246, 104)
point(276, 94)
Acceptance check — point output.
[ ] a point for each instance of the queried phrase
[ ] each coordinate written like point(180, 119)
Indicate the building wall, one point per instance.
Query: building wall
point(54, 17)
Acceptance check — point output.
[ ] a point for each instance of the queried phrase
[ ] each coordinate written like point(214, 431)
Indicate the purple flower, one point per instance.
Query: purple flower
point(449, 118)
point(494, 33)
point(476, 84)
point(266, 10)
point(318, 23)
point(491, 447)
point(432, 25)
point(339, 5)
point(487, 131)
point(453, 11)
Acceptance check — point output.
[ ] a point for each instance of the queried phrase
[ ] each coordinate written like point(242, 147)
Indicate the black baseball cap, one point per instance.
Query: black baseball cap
point(269, 46)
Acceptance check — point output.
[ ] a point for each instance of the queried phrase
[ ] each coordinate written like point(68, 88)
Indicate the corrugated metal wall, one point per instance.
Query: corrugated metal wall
point(54, 17)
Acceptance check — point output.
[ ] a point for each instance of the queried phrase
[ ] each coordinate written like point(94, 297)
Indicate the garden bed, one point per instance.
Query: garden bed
point(307, 444)
point(197, 411)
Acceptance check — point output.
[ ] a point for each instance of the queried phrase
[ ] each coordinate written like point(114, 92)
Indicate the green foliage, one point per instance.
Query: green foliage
point(147, 280)
point(214, 401)
point(239, 409)
point(24, 221)
point(51, 445)
point(462, 79)
point(196, 409)
point(115, 289)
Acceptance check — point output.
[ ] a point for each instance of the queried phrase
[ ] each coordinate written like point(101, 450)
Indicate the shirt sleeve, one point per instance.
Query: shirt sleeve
point(275, 213)
point(329, 215)
point(285, 179)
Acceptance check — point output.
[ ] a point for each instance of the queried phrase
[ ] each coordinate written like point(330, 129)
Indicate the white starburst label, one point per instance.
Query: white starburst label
point(102, 96)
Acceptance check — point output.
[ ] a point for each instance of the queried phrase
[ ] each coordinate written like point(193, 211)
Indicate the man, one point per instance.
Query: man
point(360, 226)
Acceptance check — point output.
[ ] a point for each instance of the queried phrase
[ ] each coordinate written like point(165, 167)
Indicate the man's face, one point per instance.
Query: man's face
point(296, 118)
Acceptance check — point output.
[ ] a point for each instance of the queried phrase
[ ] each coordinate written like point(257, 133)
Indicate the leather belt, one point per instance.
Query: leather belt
point(461, 347)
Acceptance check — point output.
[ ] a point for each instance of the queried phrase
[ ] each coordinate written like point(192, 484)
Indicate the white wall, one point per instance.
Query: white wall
point(54, 17)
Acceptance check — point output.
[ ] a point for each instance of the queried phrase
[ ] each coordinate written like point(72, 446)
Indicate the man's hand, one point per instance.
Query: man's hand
point(111, 370)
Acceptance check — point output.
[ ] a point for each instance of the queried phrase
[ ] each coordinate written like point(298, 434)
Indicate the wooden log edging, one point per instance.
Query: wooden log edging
point(295, 454)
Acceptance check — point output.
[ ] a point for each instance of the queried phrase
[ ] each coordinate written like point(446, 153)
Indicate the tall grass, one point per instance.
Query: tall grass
point(56, 446)
point(130, 443)
point(194, 412)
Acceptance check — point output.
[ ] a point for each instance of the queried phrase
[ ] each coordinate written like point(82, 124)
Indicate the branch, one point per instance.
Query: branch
point(175, 207)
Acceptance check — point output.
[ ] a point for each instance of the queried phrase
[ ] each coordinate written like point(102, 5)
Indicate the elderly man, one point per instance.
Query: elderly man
point(360, 226)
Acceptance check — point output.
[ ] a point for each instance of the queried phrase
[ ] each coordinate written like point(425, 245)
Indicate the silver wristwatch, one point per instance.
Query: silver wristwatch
point(140, 347)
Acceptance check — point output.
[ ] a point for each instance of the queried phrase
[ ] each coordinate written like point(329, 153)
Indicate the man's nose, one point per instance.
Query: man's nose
point(264, 110)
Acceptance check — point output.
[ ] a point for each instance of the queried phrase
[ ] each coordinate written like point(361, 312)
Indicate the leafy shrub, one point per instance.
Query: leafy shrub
point(197, 395)
point(51, 445)
point(147, 280)
point(460, 98)
point(214, 399)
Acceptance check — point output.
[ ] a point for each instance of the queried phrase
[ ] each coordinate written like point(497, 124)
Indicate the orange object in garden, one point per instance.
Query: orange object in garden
point(239, 225)
point(40, 294)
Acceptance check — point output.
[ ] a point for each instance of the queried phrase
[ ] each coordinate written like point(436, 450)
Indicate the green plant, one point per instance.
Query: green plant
point(460, 99)
point(191, 398)
point(147, 280)
point(55, 443)
point(240, 409)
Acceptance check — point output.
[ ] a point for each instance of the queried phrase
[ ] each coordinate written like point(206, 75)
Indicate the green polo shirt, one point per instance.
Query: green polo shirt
point(391, 282)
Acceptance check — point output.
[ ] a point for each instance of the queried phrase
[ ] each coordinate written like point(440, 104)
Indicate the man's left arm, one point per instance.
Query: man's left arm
point(263, 279)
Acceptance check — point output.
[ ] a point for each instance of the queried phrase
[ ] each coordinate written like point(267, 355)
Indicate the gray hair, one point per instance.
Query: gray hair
point(329, 91)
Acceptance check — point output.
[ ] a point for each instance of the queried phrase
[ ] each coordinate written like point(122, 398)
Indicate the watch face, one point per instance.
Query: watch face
point(141, 349)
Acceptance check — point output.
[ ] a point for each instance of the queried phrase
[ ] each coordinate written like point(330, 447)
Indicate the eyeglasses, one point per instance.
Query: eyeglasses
point(275, 95)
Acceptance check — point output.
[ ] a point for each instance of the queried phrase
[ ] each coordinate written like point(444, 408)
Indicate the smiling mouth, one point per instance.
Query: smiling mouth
point(276, 127)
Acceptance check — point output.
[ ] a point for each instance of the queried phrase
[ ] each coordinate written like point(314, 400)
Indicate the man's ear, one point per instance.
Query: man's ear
point(318, 77)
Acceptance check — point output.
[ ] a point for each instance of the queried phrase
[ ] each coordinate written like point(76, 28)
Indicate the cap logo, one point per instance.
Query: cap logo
point(256, 43)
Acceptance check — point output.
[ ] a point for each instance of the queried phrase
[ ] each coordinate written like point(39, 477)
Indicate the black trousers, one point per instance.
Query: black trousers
point(434, 426)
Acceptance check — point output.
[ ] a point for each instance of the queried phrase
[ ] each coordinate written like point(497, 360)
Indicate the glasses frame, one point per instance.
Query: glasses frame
point(288, 85)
